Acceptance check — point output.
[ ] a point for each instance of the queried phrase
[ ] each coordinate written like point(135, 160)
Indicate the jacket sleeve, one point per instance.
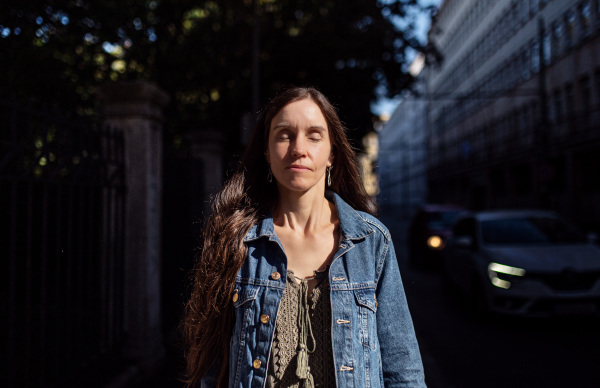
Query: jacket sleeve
point(400, 355)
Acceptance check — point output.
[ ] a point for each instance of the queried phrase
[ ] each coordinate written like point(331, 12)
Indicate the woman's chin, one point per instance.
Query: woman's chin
point(299, 186)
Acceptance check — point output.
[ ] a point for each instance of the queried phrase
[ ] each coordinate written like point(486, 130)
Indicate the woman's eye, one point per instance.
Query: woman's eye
point(315, 136)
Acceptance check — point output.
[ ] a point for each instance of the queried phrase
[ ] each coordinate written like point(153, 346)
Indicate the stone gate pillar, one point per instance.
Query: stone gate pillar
point(136, 108)
point(207, 147)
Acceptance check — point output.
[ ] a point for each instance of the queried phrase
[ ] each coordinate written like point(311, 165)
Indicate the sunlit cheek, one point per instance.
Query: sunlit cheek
point(279, 152)
point(282, 149)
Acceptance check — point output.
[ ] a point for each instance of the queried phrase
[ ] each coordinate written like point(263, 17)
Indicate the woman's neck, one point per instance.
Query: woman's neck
point(303, 212)
point(308, 229)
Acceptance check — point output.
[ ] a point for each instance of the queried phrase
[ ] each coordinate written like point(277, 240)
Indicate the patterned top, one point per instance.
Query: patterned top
point(290, 335)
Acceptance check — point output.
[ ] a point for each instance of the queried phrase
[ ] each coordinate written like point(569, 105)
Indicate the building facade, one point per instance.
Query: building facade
point(514, 106)
point(402, 158)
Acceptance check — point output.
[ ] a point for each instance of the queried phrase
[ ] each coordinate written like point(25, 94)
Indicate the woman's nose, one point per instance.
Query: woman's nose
point(298, 147)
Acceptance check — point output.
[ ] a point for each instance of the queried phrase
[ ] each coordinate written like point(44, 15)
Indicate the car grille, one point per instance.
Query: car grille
point(569, 280)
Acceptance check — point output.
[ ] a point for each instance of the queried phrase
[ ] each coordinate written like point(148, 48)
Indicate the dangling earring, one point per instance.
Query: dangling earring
point(270, 175)
point(329, 175)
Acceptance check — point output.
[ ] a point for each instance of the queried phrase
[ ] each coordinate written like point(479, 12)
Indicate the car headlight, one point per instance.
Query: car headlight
point(435, 242)
point(502, 275)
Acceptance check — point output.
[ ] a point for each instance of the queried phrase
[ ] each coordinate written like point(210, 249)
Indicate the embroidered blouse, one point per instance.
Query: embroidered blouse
point(301, 354)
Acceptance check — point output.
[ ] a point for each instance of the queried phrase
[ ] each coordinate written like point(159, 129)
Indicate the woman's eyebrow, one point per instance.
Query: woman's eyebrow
point(282, 124)
point(318, 128)
point(285, 124)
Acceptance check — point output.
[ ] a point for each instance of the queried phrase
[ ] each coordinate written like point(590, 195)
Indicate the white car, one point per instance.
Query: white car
point(524, 262)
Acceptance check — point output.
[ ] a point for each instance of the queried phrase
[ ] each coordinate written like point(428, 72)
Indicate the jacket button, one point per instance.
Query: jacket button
point(256, 363)
point(235, 297)
point(264, 318)
point(275, 275)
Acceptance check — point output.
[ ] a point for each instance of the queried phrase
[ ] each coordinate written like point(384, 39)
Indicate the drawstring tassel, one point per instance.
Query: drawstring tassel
point(303, 370)
point(309, 382)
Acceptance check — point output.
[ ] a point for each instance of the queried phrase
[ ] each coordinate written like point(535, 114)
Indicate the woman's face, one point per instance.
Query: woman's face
point(299, 148)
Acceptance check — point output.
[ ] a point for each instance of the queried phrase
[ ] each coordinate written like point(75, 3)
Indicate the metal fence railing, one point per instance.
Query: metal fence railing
point(61, 246)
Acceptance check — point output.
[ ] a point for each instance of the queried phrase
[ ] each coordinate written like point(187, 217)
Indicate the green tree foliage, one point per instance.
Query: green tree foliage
point(201, 52)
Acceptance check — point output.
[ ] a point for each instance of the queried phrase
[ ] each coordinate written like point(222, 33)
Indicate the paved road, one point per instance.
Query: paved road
point(460, 350)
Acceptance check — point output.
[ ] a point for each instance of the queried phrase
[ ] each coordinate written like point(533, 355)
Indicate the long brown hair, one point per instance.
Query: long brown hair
point(244, 199)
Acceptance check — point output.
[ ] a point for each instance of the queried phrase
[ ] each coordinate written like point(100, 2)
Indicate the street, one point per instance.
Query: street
point(461, 350)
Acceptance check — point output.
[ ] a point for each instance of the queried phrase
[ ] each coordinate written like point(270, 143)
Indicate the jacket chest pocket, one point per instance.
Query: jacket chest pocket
point(367, 309)
point(243, 303)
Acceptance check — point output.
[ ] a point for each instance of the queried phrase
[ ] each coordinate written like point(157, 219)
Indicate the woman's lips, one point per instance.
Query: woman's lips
point(298, 167)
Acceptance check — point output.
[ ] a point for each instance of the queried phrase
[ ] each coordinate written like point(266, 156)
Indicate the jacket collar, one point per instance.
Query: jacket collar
point(353, 226)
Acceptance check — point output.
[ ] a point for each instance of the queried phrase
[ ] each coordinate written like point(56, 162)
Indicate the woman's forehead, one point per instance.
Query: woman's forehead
point(305, 112)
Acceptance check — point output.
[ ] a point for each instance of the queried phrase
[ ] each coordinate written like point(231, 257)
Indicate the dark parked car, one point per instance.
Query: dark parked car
point(524, 262)
point(428, 231)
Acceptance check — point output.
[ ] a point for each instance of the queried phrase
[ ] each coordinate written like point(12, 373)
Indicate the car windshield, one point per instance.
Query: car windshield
point(530, 230)
point(441, 219)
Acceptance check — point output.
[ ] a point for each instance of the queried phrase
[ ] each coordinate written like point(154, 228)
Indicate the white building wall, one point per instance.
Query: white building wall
point(504, 113)
point(477, 38)
point(402, 164)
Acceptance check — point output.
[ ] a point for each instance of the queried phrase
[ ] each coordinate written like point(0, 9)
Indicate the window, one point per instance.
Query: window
point(534, 6)
point(513, 18)
point(525, 61)
point(585, 14)
point(570, 24)
point(535, 56)
point(524, 8)
point(547, 48)
point(557, 37)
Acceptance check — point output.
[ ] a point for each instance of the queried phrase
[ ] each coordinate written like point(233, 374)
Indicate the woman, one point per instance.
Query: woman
point(297, 283)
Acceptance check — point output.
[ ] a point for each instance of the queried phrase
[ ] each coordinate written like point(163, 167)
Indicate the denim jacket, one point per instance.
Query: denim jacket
point(373, 339)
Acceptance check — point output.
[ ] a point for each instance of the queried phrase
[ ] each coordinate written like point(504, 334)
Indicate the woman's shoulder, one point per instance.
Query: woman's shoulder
point(376, 223)
point(358, 222)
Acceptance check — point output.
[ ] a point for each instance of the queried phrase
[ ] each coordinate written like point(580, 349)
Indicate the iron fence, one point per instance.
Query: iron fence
point(61, 247)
